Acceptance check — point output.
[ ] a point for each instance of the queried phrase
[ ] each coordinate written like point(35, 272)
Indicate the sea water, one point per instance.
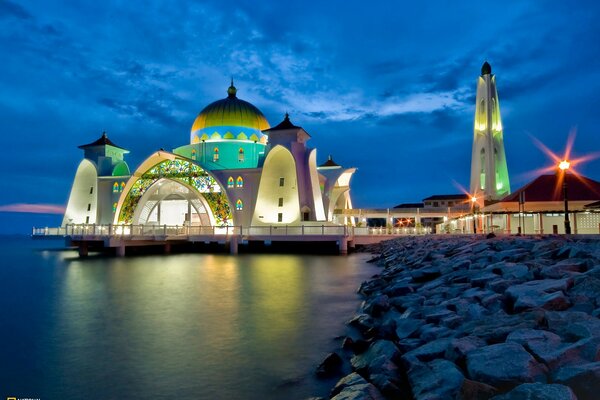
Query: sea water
point(187, 326)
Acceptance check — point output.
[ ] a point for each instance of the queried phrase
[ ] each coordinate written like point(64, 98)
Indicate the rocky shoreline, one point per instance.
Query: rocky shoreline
point(457, 317)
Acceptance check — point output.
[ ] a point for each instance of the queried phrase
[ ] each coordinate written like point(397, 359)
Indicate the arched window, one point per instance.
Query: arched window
point(216, 154)
point(114, 207)
point(193, 154)
point(116, 187)
point(239, 206)
point(230, 182)
point(241, 155)
point(240, 182)
point(122, 186)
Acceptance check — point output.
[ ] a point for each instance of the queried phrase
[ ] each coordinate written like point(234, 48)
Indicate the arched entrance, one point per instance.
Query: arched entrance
point(170, 190)
point(168, 202)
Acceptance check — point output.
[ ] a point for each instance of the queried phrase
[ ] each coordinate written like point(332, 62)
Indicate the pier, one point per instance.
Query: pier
point(120, 237)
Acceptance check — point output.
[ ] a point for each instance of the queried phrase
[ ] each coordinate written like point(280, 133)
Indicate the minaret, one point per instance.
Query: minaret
point(489, 173)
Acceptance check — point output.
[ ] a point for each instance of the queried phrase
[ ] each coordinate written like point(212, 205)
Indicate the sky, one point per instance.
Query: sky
point(387, 87)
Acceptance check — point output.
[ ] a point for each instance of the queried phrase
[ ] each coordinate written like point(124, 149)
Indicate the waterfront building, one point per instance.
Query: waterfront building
point(489, 172)
point(237, 170)
point(536, 208)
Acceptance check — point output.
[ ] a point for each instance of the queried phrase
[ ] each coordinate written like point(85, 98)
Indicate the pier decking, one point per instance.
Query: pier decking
point(119, 237)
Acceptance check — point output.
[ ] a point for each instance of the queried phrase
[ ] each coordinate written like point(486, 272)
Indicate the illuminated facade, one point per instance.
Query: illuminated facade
point(236, 171)
point(489, 173)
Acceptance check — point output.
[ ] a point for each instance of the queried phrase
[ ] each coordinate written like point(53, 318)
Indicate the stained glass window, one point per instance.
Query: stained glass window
point(230, 182)
point(216, 154)
point(193, 154)
point(114, 207)
point(239, 205)
point(122, 186)
point(185, 172)
point(241, 155)
point(116, 187)
point(240, 182)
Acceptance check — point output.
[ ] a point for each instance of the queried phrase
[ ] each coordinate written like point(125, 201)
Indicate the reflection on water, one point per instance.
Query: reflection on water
point(195, 326)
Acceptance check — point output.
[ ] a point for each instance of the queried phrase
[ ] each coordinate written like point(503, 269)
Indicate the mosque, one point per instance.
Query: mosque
point(237, 170)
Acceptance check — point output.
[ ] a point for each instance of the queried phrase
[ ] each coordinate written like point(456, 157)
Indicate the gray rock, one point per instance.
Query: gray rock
point(473, 390)
point(572, 326)
point(438, 379)
point(504, 365)
point(427, 352)
point(457, 349)
point(535, 294)
point(550, 301)
point(354, 387)
point(583, 379)
point(495, 328)
point(376, 305)
point(405, 327)
point(386, 348)
point(564, 268)
point(538, 391)
point(330, 366)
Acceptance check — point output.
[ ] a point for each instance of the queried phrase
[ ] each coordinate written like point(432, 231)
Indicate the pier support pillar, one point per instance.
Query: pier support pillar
point(121, 250)
point(167, 248)
point(83, 250)
point(343, 244)
point(351, 244)
point(233, 245)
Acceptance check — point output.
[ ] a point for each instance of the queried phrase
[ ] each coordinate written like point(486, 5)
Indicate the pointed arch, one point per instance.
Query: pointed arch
point(239, 182)
point(165, 165)
point(230, 182)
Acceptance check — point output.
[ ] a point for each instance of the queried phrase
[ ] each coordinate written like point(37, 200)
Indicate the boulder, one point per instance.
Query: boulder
point(538, 391)
point(457, 349)
point(504, 366)
point(584, 379)
point(354, 387)
point(473, 390)
point(405, 327)
point(386, 348)
point(438, 379)
point(572, 326)
point(330, 366)
point(427, 352)
point(495, 328)
point(376, 305)
point(564, 269)
point(550, 301)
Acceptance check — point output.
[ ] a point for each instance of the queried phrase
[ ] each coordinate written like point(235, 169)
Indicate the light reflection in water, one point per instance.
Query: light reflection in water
point(195, 326)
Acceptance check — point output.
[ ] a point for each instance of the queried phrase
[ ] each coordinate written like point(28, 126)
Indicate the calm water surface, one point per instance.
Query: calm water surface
point(193, 326)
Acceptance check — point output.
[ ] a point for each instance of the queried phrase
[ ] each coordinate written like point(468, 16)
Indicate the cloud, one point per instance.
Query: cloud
point(10, 9)
point(33, 208)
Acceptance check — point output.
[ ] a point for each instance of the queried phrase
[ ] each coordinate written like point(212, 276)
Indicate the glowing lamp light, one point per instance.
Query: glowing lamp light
point(474, 199)
point(564, 165)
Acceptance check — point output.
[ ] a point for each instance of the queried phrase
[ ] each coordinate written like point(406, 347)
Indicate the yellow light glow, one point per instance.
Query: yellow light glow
point(474, 199)
point(564, 165)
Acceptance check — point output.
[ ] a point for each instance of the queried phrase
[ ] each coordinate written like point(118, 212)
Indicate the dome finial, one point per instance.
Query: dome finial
point(486, 68)
point(286, 117)
point(231, 91)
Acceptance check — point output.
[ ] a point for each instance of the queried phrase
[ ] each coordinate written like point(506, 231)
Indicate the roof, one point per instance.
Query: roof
point(461, 196)
point(486, 68)
point(410, 205)
point(103, 141)
point(329, 163)
point(285, 124)
point(594, 205)
point(230, 111)
point(549, 188)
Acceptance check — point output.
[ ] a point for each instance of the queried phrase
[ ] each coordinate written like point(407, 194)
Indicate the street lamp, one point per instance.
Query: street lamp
point(564, 166)
point(474, 205)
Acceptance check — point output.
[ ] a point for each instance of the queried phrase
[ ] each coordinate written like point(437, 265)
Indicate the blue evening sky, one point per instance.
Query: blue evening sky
point(384, 86)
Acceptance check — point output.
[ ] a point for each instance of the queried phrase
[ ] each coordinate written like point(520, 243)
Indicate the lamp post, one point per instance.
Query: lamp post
point(474, 205)
point(564, 166)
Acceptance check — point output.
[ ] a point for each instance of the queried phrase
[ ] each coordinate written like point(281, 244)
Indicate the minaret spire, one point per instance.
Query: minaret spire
point(489, 173)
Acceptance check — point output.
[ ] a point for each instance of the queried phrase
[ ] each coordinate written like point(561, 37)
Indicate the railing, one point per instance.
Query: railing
point(110, 230)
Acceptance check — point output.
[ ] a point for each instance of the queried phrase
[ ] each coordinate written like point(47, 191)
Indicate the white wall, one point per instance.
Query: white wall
point(278, 164)
point(84, 194)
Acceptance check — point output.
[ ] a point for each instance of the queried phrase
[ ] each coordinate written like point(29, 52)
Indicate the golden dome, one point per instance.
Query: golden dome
point(227, 114)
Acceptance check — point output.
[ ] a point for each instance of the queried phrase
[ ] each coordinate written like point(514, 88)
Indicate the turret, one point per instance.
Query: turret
point(489, 173)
